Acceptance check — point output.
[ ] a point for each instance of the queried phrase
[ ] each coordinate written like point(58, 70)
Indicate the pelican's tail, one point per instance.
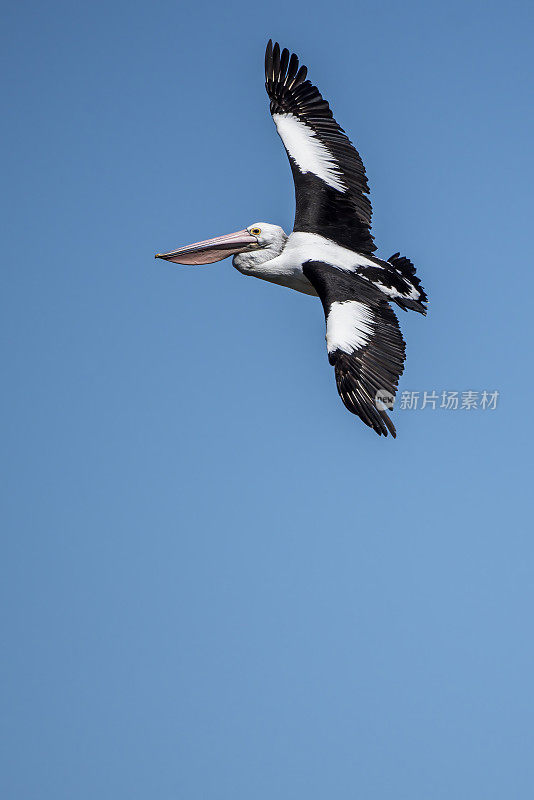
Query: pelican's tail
point(417, 299)
point(397, 280)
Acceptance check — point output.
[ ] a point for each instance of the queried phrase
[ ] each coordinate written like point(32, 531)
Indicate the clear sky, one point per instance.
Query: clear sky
point(216, 583)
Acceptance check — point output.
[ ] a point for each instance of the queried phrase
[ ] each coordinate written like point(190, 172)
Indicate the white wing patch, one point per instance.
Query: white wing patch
point(307, 150)
point(349, 326)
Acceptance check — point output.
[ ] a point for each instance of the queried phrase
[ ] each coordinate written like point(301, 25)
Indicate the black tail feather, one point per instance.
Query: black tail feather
point(404, 267)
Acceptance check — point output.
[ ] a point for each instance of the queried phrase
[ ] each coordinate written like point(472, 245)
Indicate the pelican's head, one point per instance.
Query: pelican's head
point(261, 236)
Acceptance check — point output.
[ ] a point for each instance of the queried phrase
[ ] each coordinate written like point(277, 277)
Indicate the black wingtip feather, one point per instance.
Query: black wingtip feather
point(276, 62)
point(292, 70)
point(268, 58)
point(284, 61)
point(359, 398)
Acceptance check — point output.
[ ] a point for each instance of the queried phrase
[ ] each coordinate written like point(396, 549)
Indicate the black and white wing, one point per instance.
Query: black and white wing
point(364, 342)
point(331, 188)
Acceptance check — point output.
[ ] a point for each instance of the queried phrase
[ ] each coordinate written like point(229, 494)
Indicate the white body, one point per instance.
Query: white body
point(281, 262)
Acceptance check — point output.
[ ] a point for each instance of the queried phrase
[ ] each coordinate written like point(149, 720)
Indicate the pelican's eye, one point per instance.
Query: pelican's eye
point(255, 231)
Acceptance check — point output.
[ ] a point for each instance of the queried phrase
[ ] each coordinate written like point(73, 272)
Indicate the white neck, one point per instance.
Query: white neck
point(276, 262)
point(248, 261)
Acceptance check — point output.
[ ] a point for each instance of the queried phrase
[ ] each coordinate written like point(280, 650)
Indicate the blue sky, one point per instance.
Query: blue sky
point(216, 582)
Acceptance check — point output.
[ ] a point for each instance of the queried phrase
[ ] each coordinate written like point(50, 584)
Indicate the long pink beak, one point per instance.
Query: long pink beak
point(212, 250)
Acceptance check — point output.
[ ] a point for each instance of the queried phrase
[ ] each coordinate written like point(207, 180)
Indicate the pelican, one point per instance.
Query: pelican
point(330, 252)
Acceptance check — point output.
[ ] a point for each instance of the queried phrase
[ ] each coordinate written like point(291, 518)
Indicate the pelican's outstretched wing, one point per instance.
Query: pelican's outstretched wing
point(364, 342)
point(330, 184)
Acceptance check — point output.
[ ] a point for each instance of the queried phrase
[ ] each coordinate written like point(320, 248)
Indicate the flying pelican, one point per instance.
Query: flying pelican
point(330, 251)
